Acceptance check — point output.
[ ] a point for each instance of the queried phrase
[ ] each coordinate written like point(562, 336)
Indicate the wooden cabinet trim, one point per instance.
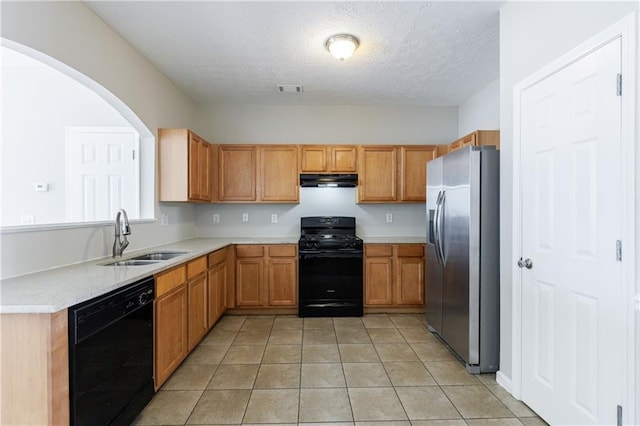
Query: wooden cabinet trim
point(217, 257)
point(243, 251)
point(378, 250)
point(282, 250)
point(197, 266)
point(410, 250)
point(166, 281)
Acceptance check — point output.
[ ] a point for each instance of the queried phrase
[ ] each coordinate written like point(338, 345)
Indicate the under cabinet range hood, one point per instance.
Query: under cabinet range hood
point(328, 180)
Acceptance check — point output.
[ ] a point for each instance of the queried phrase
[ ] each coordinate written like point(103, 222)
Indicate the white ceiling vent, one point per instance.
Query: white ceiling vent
point(289, 88)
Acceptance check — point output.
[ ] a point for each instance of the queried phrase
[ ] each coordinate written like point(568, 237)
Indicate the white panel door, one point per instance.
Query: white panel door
point(572, 310)
point(102, 173)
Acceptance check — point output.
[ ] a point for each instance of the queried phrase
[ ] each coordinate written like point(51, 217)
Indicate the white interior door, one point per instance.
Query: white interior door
point(572, 307)
point(102, 173)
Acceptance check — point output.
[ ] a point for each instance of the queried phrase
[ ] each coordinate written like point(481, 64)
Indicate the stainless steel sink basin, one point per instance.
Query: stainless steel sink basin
point(132, 262)
point(147, 259)
point(163, 255)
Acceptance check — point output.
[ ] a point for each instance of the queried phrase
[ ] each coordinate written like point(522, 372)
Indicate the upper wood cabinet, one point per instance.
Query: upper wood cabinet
point(413, 171)
point(279, 173)
point(477, 138)
point(258, 173)
point(184, 166)
point(377, 174)
point(237, 173)
point(328, 159)
point(393, 173)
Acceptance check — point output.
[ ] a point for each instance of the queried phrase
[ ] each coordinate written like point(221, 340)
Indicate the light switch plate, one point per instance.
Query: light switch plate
point(164, 219)
point(216, 218)
point(245, 217)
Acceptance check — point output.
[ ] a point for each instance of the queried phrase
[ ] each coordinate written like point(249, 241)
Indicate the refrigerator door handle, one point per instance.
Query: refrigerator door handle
point(437, 228)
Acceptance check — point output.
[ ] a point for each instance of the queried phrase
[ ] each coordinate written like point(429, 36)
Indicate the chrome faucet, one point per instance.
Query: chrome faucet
point(122, 228)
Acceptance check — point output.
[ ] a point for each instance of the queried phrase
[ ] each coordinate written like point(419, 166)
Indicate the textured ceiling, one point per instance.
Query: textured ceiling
point(411, 53)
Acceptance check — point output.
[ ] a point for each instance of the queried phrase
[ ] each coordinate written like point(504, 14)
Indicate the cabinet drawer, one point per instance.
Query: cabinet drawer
point(217, 257)
point(196, 267)
point(249, 251)
point(169, 280)
point(410, 250)
point(282, 251)
point(375, 250)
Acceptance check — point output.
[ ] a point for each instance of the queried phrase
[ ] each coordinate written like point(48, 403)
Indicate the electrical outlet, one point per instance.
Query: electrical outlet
point(274, 218)
point(216, 218)
point(27, 219)
point(164, 219)
point(389, 218)
point(245, 217)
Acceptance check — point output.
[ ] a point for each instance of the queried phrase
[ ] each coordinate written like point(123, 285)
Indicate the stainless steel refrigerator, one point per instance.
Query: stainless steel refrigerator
point(462, 278)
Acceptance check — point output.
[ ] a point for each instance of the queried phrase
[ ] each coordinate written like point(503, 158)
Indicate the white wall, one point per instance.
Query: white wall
point(72, 34)
point(408, 219)
point(533, 34)
point(350, 124)
point(481, 111)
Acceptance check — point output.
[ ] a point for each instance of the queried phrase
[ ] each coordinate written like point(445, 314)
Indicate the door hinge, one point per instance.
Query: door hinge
point(619, 85)
point(619, 250)
point(619, 416)
point(133, 154)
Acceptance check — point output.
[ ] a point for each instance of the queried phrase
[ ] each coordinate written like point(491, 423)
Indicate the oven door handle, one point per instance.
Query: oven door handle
point(307, 255)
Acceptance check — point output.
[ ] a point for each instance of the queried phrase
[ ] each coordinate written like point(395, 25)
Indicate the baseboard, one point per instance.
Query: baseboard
point(504, 381)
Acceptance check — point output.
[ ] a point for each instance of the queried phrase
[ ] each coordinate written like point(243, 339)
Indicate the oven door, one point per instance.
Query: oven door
point(330, 283)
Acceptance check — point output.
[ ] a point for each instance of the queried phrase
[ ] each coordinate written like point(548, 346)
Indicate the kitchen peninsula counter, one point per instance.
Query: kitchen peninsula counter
point(56, 289)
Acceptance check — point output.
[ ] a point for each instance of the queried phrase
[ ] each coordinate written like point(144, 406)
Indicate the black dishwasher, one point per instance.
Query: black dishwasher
point(111, 356)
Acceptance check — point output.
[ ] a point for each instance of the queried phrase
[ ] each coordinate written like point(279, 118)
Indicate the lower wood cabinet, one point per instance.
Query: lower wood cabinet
point(170, 325)
point(266, 275)
point(217, 286)
point(394, 275)
point(198, 301)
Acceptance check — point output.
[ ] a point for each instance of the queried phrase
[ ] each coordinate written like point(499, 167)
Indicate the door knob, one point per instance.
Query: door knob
point(526, 263)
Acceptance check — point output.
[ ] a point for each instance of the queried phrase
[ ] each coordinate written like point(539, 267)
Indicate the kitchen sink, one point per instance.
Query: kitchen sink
point(147, 259)
point(163, 255)
point(132, 262)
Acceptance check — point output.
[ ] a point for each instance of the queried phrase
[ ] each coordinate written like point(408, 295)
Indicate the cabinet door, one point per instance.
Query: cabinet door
point(283, 281)
point(313, 159)
point(279, 173)
point(237, 173)
point(413, 171)
point(194, 167)
point(171, 346)
point(342, 159)
point(377, 174)
point(198, 173)
point(250, 282)
point(378, 281)
point(205, 172)
point(198, 319)
point(410, 281)
point(217, 292)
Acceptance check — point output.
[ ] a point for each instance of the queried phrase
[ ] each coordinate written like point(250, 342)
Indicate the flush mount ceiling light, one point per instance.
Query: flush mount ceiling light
point(342, 46)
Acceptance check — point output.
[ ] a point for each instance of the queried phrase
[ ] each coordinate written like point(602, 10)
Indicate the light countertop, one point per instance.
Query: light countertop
point(56, 289)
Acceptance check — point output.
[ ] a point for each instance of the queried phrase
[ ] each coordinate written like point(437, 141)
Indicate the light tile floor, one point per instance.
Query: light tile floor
point(375, 370)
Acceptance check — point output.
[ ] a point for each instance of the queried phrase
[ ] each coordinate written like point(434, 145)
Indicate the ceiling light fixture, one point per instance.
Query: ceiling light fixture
point(342, 46)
